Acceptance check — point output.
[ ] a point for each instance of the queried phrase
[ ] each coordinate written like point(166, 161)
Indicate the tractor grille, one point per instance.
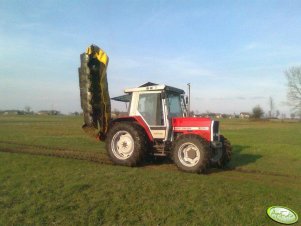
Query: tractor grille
point(215, 128)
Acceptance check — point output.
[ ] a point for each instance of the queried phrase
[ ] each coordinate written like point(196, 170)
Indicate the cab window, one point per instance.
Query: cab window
point(174, 105)
point(150, 107)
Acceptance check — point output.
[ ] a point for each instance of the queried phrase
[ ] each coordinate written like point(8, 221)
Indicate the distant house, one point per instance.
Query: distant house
point(47, 112)
point(16, 112)
point(74, 113)
point(215, 115)
point(10, 112)
point(218, 115)
point(244, 115)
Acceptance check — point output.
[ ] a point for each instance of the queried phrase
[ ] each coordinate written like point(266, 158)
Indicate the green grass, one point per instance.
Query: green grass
point(37, 189)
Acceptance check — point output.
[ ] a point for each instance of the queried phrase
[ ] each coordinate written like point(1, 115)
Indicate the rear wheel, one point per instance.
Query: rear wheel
point(191, 153)
point(126, 143)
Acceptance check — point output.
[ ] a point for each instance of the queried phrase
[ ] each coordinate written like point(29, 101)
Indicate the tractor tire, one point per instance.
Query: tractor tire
point(227, 152)
point(191, 153)
point(216, 156)
point(126, 143)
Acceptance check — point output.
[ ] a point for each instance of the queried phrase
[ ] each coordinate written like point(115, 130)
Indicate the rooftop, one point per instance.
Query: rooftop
point(149, 86)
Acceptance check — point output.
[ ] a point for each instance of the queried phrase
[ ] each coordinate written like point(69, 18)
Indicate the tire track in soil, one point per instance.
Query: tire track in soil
point(54, 152)
point(96, 157)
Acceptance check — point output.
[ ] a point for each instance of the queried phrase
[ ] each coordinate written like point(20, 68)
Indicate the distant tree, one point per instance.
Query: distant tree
point(293, 115)
point(293, 76)
point(257, 112)
point(277, 113)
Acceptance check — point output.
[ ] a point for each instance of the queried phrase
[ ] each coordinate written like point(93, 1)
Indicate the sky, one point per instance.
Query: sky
point(234, 53)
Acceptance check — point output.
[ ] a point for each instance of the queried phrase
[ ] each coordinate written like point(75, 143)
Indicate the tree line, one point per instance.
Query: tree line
point(293, 76)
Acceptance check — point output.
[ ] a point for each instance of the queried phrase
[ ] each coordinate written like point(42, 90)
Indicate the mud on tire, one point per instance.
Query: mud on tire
point(227, 151)
point(191, 153)
point(126, 143)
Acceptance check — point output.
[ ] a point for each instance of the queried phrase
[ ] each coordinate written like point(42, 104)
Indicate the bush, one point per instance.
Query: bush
point(257, 112)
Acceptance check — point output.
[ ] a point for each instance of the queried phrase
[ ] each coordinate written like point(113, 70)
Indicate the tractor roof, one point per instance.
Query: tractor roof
point(149, 86)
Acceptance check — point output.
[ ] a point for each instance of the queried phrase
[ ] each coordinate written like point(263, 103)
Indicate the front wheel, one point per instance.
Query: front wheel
point(227, 151)
point(191, 153)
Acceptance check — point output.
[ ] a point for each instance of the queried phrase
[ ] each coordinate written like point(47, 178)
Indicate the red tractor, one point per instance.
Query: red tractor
point(157, 124)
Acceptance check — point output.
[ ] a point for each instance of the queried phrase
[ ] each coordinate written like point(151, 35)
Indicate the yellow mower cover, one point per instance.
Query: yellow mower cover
point(94, 93)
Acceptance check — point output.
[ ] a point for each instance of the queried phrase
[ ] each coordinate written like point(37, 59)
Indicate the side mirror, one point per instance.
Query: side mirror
point(186, 99)
point(163, 95)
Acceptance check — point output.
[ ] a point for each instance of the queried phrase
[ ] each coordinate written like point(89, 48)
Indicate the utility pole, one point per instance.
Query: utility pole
point(188, 84)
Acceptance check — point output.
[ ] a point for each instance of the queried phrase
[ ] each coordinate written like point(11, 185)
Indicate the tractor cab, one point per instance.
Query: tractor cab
point(156, 105)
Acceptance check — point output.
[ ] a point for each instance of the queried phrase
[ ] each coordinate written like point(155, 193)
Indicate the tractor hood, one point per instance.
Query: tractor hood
point(204, 127)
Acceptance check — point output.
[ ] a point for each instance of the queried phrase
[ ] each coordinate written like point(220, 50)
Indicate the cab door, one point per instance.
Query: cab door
point(150, 108)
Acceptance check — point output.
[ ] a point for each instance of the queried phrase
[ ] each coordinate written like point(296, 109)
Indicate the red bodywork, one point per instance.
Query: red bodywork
point(198, 126)
point(140, 121)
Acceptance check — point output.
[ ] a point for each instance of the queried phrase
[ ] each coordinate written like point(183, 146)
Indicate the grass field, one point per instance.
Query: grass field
point(39, 189)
